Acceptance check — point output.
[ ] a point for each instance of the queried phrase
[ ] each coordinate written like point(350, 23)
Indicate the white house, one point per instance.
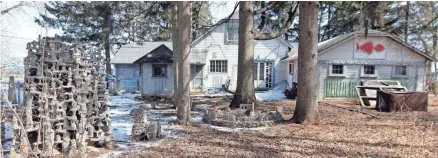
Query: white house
point(213, 59)
point(220, 44)
point(346, 60)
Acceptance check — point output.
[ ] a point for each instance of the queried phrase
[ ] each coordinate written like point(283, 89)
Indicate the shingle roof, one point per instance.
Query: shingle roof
point(132, 52)
point(324, 45)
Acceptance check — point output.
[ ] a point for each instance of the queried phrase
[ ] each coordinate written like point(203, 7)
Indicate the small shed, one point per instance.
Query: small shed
point(127, 73)
point(347, 60)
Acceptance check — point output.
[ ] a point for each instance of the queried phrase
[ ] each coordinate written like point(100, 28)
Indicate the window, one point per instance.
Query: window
point(219, 66)
point(159, 70)
point(337, 69)
point(232, 33)
point(400, 70)
point(369, 70)
point(291, 67)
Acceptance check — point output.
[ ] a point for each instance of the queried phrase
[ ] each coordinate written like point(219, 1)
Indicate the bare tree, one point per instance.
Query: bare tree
point(246, 56)
point(184, 19)
point(306, 106)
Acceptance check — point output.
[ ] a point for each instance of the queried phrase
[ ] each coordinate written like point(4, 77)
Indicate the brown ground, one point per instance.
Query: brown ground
point(338, 133)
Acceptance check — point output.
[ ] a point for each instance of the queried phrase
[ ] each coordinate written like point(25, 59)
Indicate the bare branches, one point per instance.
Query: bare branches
point(271, 35)
point(269, 7)
point(17, 6)
point(223, 20)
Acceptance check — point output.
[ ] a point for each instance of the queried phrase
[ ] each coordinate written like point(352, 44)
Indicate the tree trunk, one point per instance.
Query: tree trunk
point(306, 105)
point(406, 21)
point(106, 39)
point(174, 20)
point(245, 83)
point(184, 19)
point(319, 24)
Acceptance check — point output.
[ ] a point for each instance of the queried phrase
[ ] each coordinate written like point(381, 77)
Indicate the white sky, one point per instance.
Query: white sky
point(19, 28)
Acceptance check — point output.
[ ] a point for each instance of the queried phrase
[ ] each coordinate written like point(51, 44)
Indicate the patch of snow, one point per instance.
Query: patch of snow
point(121, 121)
point(276, 94)
point(227, 129)
point(270, 96)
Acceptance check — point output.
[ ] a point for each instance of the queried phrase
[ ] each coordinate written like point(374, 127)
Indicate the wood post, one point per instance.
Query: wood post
point(11, 93)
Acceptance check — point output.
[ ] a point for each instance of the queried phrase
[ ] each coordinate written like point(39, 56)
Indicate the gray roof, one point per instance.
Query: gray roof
point(324, 45)
point(132, 52)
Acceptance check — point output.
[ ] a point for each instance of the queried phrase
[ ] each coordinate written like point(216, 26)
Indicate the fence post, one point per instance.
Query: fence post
point(11, 93)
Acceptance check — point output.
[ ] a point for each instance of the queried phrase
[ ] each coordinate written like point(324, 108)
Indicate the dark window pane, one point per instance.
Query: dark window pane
point(262, 71)
point(400, 70)
point(254, 71)
point(369, 69)
point(218, 66)
point(159, 70)
point(337, 69)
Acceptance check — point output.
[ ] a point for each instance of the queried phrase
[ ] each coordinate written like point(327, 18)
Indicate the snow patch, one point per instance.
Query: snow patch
point(270, 96)
point(227, 129)
point(276, 94)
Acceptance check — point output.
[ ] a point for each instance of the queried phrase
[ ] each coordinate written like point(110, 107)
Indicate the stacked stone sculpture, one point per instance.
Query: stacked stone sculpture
point(142, 129)
point(66, 102)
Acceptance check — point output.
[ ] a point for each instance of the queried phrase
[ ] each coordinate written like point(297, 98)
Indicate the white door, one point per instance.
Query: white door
point(262, 73)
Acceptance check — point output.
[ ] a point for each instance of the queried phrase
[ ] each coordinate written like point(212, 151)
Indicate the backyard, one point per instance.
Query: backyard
point(343, 130)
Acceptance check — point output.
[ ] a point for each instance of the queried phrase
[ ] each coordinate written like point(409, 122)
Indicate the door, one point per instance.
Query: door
point(262, 73)
point(196, 76)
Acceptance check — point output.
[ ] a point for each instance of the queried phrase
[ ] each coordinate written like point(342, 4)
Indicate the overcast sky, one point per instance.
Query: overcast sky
point(19, 28)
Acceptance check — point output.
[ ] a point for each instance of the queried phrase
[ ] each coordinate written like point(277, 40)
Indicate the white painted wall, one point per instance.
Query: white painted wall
point(156, 85)
point(395, 51)
point(214, 43)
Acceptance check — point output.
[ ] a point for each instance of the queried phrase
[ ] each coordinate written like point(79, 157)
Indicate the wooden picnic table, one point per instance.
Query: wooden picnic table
point(363, 97)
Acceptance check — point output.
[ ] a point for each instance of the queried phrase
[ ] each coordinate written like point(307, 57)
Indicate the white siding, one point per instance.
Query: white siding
point(395, 52)
point(156, 85)
point(216, 50)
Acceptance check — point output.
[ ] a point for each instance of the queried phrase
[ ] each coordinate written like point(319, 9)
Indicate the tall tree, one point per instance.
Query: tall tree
point(105, 23)
point(247, 34)
point(245, 79)
point(306, 106)
point(184, 21)
point(174, 19)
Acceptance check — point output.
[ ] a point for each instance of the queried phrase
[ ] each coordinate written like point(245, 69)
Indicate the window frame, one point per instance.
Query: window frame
point(362, 71)
point(235, 28)
point(218, 66)
point(334, 74)
point(162, 66)
point(394, 68)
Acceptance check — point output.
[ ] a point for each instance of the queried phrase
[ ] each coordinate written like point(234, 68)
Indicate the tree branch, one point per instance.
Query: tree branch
point(7, 10)
point(223, 21)
point(269, 7)
point(262, 24)
point(271, 35)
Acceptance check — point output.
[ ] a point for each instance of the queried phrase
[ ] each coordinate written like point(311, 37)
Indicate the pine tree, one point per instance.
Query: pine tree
point(106, 23)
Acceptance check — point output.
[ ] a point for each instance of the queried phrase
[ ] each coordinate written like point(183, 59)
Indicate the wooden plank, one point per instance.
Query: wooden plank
point(360, 99)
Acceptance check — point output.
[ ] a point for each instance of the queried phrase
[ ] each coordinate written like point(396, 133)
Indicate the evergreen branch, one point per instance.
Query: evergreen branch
point(271, 35)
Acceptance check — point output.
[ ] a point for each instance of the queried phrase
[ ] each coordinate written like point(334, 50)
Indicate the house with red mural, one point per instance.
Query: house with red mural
point(345, 61)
